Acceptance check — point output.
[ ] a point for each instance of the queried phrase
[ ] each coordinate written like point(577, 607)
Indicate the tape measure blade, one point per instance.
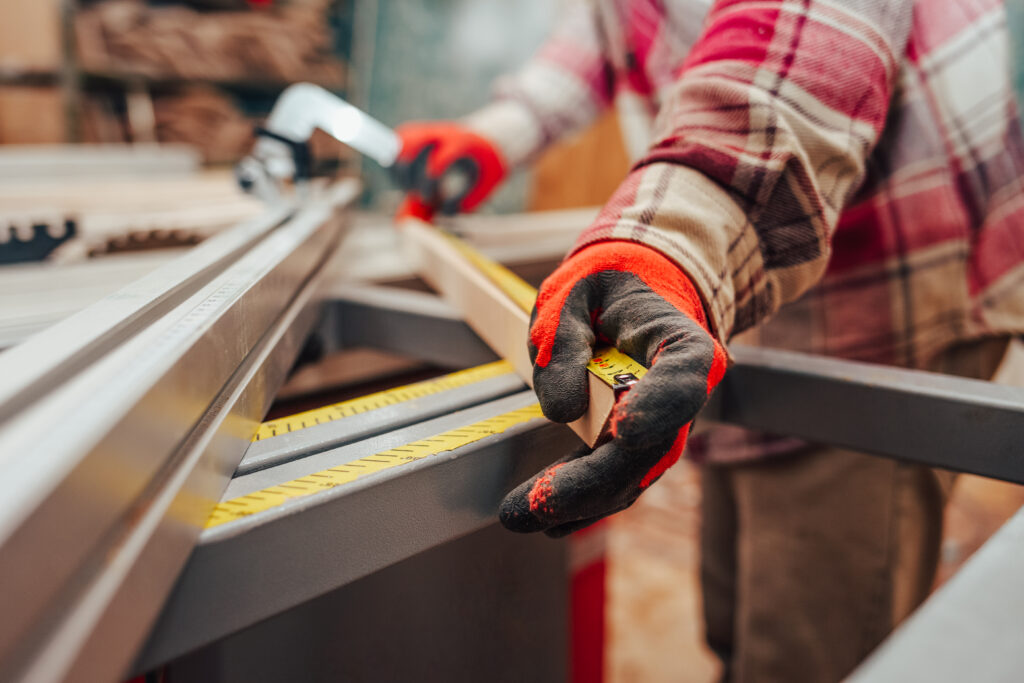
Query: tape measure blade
point(614, 367)
point(332, 434)
point(373, 455)
point(608, 363)
point(379, 399)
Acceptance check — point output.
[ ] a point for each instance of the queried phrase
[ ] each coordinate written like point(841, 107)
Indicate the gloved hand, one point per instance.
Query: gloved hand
point(638, 300)
point(438, 154)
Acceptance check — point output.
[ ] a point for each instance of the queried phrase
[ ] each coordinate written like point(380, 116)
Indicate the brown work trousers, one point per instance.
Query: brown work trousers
point(810, 559)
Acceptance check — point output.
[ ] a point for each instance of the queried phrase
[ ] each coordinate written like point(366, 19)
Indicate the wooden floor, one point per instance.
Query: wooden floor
point(654, 624)
point(654, 612)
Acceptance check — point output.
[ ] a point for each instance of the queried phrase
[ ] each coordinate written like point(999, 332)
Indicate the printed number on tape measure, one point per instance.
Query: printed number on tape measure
point(615, 368)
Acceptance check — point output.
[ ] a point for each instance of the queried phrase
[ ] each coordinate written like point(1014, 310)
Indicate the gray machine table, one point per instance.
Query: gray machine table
point(404, 571)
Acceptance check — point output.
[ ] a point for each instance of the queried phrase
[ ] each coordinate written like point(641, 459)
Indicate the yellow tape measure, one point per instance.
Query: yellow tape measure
point(611, 365)
point(380, 399)
point(272, 496)
point(614, 367)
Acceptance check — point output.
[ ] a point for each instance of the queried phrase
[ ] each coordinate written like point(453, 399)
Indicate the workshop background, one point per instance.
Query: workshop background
point(204, 72)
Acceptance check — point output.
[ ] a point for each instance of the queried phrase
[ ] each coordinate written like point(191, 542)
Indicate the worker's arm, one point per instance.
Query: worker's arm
point(559, 91)
point(758, 149)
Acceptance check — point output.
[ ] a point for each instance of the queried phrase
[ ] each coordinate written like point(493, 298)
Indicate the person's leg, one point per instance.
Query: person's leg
point(823, 540)
point(830, 549)
point(718, 563)
point(924, 492)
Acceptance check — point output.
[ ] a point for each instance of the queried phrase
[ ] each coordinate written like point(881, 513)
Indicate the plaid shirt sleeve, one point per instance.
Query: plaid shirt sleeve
point(566, 84)
point(758, 147)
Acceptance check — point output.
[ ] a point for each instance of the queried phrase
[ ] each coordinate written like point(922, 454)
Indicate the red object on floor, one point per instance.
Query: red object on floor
point(587, 594)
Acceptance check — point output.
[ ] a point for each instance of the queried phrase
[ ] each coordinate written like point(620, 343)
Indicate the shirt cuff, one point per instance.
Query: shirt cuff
point(692, 220)
point(511, 126)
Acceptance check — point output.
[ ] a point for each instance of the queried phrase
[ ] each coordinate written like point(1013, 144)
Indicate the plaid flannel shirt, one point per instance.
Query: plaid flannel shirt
point(859, 161)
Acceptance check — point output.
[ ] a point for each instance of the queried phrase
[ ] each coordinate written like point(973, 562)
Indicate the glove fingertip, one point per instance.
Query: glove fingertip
point(562, 392)
point(564, 410)
point(651, 416)
point(514, 514)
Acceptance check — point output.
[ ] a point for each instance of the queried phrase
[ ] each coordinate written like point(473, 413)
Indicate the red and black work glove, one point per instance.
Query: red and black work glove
point(444, 166)
point(633, 297)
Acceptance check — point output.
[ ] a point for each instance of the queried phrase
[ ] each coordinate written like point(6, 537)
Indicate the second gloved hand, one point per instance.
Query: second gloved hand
point(446, 167)
point(633, 297)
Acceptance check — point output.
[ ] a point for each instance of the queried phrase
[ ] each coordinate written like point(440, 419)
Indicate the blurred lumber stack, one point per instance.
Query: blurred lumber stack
point(31, 105)
point(117, 213)
point(175, 74)
point(283, 45)
point(30, 38)
point(205, 118)
point(31, 115)
point(199, 72)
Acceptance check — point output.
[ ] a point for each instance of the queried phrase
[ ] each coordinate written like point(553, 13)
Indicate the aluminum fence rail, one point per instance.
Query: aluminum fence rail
point(120, 427)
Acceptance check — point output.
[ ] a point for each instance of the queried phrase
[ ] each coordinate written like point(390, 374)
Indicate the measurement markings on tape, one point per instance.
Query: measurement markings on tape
point(380, 399)
point(612, 366)
point(609, 364)
point(273, 496)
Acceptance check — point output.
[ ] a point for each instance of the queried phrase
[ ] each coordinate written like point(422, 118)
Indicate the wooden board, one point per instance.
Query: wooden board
point(495, 316)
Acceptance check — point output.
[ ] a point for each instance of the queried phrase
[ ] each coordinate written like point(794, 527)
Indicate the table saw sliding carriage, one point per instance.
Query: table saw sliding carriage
point(149, 522)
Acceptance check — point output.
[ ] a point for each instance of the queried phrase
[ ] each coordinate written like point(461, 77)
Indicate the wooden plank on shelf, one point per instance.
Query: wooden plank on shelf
point(31, 115)
point(30, 36)
point(55, 166)
point(145, 193)
point(112, 213)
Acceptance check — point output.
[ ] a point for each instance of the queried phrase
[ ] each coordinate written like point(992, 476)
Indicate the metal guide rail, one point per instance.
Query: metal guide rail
point(315, 520)
point(120, 425)
point(373, 481)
